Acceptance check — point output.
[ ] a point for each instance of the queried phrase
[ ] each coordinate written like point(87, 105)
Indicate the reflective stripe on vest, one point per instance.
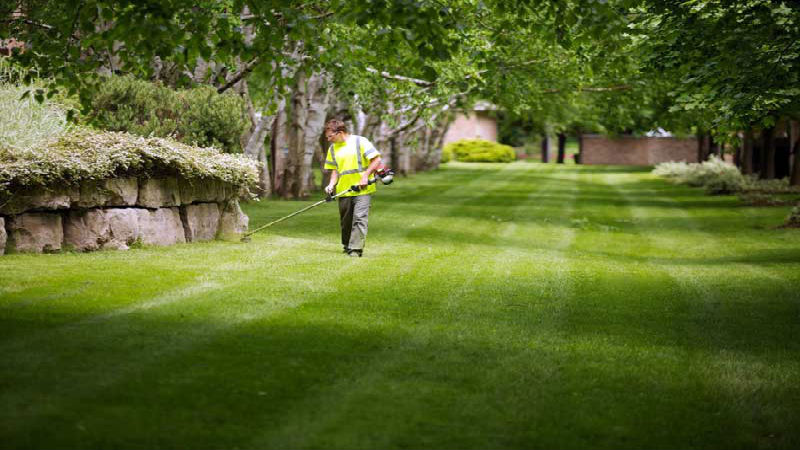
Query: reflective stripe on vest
point(333, 155)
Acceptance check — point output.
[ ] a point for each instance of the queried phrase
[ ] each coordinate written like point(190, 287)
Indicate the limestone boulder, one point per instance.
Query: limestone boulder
point(200, 221)
point(203, 190)
point(35, 233)
point(85, 230)
point(2, 235)
point(232, 222)
point(158, 192)
point(123, 227)
point(38, 199)
point(95, 229)
point(162, 226)
point(108, 192)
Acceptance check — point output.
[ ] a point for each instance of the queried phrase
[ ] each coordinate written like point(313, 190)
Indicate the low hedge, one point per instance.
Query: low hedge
point(197, 116)
point(477, 150)
point(82, 154)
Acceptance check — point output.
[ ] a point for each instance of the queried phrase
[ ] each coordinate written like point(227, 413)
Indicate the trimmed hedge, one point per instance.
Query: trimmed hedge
point(197, 116)
point(477, 150)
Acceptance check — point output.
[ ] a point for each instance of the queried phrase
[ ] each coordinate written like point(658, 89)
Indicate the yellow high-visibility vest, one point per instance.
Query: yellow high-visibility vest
point(351, 158)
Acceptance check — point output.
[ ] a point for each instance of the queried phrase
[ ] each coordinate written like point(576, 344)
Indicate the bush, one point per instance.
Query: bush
point(27, 123)
point(197, 116)
point(447, 153)
point(793, 220)
point(84, 154)
point(477, 150)
point(715, 175)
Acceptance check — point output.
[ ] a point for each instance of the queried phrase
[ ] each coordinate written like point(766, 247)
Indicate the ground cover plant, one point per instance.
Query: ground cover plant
point(507, 306)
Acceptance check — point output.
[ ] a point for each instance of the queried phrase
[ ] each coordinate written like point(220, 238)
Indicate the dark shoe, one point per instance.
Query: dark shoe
point(346, 250)
point(354, 253)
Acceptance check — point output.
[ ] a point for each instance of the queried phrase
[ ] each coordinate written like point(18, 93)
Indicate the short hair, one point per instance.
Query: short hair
point(336, 126)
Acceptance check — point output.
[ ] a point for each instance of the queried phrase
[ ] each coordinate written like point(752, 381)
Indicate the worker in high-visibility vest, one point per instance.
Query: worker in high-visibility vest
point(352, 160)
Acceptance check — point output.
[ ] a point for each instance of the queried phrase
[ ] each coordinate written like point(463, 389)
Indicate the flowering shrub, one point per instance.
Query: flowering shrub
point(717, 176)
point(84, 154)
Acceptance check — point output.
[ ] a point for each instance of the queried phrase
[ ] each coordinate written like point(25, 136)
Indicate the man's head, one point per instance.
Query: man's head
point(335, 131)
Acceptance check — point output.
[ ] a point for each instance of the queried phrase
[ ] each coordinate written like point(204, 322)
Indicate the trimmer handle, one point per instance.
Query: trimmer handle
point(357, 188)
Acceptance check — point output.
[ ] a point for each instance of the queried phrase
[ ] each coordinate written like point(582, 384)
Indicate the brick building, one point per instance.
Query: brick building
point(636, 151)
point(477, 123)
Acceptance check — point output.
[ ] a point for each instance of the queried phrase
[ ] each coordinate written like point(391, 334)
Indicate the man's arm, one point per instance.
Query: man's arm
point(374, 163)
point(332, 183)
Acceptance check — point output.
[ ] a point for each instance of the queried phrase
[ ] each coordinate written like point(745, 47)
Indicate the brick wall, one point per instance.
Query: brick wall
point(636, 151)
point(477, 124)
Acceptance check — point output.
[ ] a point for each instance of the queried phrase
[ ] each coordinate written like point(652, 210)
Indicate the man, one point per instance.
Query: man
point(352, 160)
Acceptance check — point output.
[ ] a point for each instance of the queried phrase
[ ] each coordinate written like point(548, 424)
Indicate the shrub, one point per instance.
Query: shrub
point(478, 150)
point(715, 175)
point(793, 219)
point(84, 154)
point(447, 153)
point(197, 116)
point(26, 123)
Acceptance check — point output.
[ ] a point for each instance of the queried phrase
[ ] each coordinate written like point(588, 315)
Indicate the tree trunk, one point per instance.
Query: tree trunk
point(794, 179)
point(318, 101)
point(703, 146)
point(545, 148)
point(394, 154)
point(562, 143)
point(747, 152)
point(255, 149)
point(768, 153)
point(280, 149)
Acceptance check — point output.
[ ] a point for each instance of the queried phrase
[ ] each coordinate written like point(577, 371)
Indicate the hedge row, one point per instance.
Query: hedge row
point(477, 150)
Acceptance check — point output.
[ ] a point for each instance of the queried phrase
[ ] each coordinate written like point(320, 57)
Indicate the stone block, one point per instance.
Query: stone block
point(37, 199)
point(200, 221)
point(86, 230)
point(108, 192)
point(203, 190)
point(2, 235)
point(123, 227)
point(95, 229)
point(232, 222)
point(158, 192)
point(161, 227)
point(35, 233)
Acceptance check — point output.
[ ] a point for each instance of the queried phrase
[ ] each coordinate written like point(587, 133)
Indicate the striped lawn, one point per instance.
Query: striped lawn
point(497, 306)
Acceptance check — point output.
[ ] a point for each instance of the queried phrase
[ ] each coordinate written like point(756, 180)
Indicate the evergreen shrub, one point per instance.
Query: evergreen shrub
point(197, 116)
point(477, 150)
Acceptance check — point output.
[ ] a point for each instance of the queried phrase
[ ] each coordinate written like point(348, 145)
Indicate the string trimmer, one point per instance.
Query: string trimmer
point(385, 175)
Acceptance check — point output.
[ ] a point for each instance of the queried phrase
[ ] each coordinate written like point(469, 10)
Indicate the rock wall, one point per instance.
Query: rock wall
point(115, 213)
point(636, 151)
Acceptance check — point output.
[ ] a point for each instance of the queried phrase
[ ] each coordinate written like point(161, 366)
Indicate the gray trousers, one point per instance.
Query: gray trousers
point(353, 216)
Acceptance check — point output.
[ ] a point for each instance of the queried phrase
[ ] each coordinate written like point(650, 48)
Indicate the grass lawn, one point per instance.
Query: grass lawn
point(497, 306)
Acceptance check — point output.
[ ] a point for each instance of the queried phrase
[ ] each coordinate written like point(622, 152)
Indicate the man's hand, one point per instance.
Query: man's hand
point(330, 189)
point(364, 182)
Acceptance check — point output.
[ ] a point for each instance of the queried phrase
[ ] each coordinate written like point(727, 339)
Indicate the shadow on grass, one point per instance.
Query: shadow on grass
point(498, 369)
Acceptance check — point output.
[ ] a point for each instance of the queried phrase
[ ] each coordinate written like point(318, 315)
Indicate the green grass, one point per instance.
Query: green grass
point(497, 306)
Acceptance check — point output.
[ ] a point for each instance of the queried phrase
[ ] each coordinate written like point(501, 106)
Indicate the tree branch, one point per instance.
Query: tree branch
point(238, 77)
point(389, 76)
